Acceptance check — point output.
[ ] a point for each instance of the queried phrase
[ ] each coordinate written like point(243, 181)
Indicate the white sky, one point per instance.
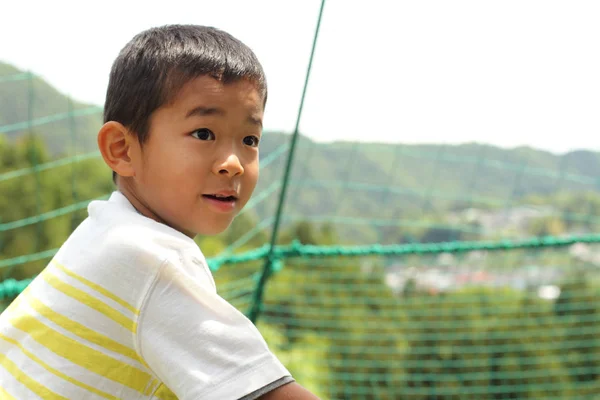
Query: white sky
point(509, 73)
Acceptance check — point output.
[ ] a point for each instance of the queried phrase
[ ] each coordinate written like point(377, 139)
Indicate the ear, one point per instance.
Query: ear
point(115, 144)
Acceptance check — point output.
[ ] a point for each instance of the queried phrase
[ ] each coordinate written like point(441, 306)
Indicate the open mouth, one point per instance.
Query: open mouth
point(224, 199)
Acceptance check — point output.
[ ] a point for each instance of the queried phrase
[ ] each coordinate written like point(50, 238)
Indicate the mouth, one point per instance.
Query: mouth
point(224, 198)
point(224, 202)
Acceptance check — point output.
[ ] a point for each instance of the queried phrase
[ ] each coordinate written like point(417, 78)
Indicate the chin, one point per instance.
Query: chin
point(213, 229)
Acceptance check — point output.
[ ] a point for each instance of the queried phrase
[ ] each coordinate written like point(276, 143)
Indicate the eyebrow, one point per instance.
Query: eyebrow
point(255, 121)
point(202, 111)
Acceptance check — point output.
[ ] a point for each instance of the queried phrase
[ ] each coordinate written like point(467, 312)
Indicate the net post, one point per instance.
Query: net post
point(267, 269)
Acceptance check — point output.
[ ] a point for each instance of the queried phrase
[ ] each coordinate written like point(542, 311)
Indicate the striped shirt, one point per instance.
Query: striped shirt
point(128, 309)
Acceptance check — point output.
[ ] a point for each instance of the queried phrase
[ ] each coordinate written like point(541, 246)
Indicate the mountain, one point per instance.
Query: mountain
point(24, 98)
point(360, 187)
point(369, 185)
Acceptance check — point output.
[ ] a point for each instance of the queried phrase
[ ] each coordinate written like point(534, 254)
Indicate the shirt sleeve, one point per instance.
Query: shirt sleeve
point(199, 345)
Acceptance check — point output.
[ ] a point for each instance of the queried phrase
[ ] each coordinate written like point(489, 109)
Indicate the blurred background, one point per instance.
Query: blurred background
point(438, 234)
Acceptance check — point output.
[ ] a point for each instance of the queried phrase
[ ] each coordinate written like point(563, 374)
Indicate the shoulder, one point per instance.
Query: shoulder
point(143, 239)
point(115, 243)
point(115, 230)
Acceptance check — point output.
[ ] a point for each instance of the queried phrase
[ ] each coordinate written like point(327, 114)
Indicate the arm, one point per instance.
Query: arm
point(200, 346)
point(290, 391)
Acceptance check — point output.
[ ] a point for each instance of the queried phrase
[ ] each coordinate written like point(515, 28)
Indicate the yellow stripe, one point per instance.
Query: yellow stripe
point(82, 355)
point(89, 301)
point(163, 393)
point(6, 395)
point(55, 371)
point(82, 331)
point(98, 288)
point(152, 387)
point(28, 382)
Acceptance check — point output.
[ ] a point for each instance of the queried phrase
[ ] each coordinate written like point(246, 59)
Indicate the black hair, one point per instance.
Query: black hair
point(152, 68)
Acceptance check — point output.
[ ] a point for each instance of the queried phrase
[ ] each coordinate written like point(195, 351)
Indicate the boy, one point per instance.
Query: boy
point(128, 309)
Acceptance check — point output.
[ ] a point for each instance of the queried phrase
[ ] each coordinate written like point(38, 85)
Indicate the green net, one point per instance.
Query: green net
point(373, 271)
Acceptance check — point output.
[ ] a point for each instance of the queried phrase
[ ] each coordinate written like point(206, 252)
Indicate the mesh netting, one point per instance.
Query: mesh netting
point(373, 271)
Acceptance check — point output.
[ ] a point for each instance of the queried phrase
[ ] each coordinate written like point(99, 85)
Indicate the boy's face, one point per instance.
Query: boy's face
point(199, 166)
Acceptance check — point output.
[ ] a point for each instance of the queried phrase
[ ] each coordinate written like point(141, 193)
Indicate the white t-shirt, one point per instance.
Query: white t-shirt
point(128, 309)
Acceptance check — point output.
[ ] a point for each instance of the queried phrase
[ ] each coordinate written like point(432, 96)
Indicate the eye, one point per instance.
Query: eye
point(203, 134)
point(251, 141)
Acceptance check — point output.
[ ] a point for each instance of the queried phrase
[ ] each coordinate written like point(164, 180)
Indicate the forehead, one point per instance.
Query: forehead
point(208, 91)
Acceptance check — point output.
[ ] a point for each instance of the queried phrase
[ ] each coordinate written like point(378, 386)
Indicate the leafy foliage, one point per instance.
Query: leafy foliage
point(343, 326)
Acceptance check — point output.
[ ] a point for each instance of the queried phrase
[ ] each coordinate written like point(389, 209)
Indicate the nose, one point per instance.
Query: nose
point(230, 166)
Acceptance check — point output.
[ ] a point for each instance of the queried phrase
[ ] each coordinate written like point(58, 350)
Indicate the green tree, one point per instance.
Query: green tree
point(578, 314)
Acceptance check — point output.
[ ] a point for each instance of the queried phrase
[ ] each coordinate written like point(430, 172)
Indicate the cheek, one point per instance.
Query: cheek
point(169, 165)
point(252, 174)
point(184, 177)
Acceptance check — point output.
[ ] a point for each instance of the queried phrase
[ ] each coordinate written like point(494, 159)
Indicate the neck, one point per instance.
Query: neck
point(127, 188)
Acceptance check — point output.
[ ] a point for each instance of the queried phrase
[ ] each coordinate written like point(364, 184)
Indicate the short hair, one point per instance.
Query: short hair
point(153, 67)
